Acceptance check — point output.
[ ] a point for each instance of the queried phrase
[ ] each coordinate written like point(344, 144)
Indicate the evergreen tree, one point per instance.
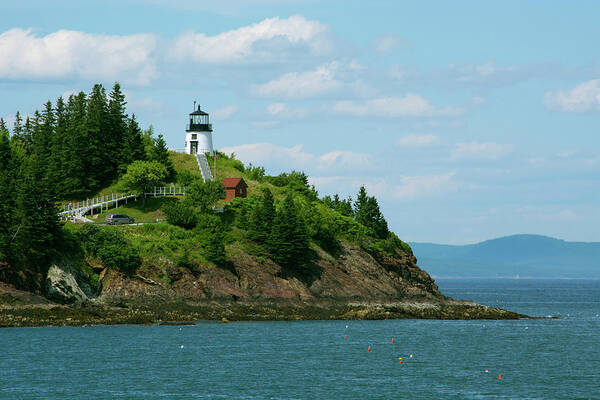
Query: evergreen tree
point(211, 234)
point(344, 207)
point(133, 147)
point(261, 218)
point(58, 154)
point(116, 135)
point(98, 164)
point(38, 230)
point(367, 212)
point(6, 192)
point(160, 153)
point(76, 149)
point(289, 241)
point(18, 129)
point(42, 140)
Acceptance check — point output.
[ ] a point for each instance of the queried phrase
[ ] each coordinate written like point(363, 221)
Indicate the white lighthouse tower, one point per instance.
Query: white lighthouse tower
point(198, 138)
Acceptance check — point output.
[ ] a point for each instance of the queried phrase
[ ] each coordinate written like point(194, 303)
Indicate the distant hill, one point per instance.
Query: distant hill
point(509, 256)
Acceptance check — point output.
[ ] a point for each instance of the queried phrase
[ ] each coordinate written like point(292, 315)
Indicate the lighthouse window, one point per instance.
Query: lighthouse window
point(194, 136)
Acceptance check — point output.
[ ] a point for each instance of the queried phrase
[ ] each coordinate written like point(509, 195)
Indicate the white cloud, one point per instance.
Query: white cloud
point(418, 141)
point(343, 158)
point(412, 187)
point(488, 73)
point(268, 40)
point(74, 54)
point(401, 189)
point(478, 100)
point(295, 157)
point(411, 105)
point(302, 84)
point(266, 124)
point(481, 151)
point(284, 111)
point(224, 113)
point(385, 43)
point(584, 97)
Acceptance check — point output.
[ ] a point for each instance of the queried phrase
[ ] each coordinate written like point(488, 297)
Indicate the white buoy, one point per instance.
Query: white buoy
point(181, 347)
point(410, 356)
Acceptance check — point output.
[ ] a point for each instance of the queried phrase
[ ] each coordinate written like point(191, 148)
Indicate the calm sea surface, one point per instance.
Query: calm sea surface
point(537, 359)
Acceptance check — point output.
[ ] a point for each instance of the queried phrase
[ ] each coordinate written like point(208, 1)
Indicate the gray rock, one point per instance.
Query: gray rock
point(62, 286)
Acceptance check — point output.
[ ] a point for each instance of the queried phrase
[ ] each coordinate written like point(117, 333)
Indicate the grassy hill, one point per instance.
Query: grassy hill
point(523, 255)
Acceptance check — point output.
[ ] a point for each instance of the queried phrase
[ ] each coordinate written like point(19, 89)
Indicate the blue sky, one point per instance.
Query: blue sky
point(468, 120)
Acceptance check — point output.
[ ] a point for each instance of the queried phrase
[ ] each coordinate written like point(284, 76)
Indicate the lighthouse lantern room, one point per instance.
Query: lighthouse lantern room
point(198, 138)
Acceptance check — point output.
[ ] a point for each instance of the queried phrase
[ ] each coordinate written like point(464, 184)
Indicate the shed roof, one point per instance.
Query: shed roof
point(233, 182)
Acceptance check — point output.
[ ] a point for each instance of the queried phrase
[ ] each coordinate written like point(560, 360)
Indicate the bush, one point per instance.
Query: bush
point(180, 214)
point(237, 164)
point(110, 246)
point(255, 173)
point(185, 177)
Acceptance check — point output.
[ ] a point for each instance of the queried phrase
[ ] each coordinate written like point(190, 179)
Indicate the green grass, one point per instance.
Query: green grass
point(150, 212)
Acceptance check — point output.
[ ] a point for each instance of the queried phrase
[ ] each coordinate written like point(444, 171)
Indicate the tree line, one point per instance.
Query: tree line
point(68, 150)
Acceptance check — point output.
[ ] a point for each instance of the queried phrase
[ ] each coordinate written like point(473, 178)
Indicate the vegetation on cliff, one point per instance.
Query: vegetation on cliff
point(89, 144)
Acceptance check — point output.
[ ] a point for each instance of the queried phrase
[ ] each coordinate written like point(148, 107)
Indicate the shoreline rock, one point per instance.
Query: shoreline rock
point(97, 314)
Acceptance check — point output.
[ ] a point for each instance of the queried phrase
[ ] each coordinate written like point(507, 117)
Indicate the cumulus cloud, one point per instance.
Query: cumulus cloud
point(385, 43)
point(296, 157)
point(481, 151)
point(411, 105)
point(268, 40)
point(582, 98)
point(224, 113)
point(68, 54)
point(418, 141)
point(404, 188)
point(284, 111)
point(412, 187)
point(302, 84)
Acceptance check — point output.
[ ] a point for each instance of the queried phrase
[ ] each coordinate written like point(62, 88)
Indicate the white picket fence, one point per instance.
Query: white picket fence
point(99, 204)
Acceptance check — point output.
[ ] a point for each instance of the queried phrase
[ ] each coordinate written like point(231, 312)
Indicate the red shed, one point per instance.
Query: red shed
point(234, 187)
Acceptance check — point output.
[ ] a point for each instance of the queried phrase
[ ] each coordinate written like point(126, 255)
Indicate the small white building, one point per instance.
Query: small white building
point(198, 137)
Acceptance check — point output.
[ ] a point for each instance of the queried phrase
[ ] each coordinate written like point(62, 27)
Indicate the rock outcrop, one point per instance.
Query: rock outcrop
point(65, 284)
point(353, 275)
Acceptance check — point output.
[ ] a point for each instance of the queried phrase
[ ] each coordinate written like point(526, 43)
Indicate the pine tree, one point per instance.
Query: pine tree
point(58, 153)
point(261, 218)
point(367, 212)
point(160, 153)
point(6, 192)
point(76, 149)
point(117, 129)
point(289, 241)
point(133, 148)
point(42, 140)
point(38, 229)
point(98, 164)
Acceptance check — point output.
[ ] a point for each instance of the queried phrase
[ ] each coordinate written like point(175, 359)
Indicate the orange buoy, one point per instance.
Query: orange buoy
point(499, 376)
point(369, 348)
point(345, 336)
point(400, 362)
point(392, 340)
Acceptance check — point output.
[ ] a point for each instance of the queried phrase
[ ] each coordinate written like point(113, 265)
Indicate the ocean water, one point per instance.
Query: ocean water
point(537, 359)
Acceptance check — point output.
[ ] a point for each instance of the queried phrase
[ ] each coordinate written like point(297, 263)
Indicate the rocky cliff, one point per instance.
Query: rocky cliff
point(351, 285)
point(352, 275)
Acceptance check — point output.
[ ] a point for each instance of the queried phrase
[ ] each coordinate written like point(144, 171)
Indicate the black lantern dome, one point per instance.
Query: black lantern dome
point(199, 122)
